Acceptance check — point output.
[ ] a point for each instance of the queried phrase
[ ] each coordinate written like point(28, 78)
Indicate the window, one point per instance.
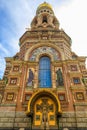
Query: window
point(44, 10)
point(44, 19)
point(44, 72)
point(76, 80)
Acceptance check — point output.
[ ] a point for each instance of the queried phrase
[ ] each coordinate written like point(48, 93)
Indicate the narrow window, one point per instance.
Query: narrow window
point(45, 72)
point(44, 19)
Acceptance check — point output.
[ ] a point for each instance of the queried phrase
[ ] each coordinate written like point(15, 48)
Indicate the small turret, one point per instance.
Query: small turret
point(45, 18)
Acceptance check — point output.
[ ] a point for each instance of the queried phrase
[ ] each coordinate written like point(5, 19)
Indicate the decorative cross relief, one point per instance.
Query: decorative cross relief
point(44, 108)
point(44, 104)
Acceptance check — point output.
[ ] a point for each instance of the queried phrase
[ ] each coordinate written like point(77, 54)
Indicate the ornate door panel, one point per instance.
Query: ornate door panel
point(44, 112)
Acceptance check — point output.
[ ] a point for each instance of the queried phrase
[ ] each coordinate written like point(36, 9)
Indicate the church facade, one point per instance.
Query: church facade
point(44, 85)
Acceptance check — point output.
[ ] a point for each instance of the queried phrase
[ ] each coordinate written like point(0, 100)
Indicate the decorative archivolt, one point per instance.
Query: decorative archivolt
point(53, 51)
point(43, 92)
point(44, 50)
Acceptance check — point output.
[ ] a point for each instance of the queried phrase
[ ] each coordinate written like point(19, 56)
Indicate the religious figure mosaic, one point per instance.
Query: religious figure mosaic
point(59, 74)
point(30, 78)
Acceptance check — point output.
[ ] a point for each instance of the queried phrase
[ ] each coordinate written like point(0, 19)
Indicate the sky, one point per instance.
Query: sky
point(16, 16)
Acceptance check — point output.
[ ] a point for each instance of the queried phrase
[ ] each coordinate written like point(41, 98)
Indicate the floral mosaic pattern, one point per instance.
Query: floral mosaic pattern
point(10, 96)
point(79, 96)
point(42, 50)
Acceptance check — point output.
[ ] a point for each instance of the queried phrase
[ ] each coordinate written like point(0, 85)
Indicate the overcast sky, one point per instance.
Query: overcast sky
point(16, 16)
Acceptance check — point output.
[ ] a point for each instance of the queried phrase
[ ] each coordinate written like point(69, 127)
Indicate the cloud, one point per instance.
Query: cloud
point(2, 66)
point(73, 20)
point(20, 12)
point(4, 50)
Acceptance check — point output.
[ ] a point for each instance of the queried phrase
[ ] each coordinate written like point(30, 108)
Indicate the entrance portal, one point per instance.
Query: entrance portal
point(44, 108)
point(44, 114)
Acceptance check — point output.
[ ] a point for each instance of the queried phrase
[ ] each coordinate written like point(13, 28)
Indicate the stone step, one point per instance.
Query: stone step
point(42, 128)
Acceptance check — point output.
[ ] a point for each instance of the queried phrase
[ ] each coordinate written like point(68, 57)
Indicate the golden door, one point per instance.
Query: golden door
point(44, 112)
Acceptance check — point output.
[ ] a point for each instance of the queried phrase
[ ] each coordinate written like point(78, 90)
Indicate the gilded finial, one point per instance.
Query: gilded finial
point(45, 4)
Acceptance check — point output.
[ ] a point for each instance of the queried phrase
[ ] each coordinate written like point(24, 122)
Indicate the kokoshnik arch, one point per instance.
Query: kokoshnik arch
point(44, 85)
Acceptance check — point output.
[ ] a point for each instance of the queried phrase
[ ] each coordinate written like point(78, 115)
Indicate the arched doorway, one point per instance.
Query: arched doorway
point(44, 107)
point(45, 72)
point(44, 114)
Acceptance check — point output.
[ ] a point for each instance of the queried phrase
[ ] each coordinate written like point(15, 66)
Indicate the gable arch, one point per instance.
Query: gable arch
point(29, 51)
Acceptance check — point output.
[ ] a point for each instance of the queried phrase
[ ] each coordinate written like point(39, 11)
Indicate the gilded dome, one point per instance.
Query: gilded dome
point(45, 4)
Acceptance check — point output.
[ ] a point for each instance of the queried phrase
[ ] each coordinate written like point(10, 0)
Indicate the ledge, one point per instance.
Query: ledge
point(80, 104)
point(8, 105)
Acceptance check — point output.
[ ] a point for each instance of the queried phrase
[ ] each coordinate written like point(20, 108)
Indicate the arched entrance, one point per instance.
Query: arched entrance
point(44, 113)
point(45, 106)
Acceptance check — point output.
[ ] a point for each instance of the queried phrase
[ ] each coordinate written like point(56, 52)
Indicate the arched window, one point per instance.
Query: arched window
point(45, 72)
point(44, 19)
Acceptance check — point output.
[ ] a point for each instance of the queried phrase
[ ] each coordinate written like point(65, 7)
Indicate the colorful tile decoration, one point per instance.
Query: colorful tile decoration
point(27, 97)
point(45, 49)
point(73, 67)
point(10, 96)
point(61, 97)
point(76, 80)
point(13, 81)
point(16, 68)
point(79, 96)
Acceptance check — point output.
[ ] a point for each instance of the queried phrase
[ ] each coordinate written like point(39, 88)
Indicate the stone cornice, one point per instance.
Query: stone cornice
point(14, 74)
point(61, 88)
point(80, 87)
point(2, 82)
point(8, 105)
point(76, 74)
point(37, 34)
point(80, 103)
point(12, 88)
point(30, 90)
point(8, 58)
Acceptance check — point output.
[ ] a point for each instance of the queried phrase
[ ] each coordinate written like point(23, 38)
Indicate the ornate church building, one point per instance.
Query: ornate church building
point(44, 86)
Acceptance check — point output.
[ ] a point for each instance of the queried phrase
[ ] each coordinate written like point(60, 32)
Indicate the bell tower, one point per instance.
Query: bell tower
point(44, 85)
